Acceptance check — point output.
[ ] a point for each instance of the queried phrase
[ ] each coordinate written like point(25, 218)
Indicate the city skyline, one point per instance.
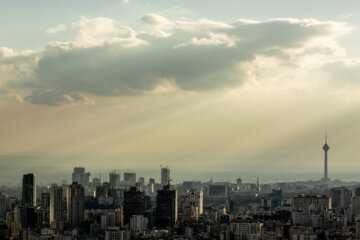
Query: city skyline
point(138, 84)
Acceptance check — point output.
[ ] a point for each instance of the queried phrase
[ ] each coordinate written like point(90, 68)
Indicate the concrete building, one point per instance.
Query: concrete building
point(130, 178)
point(75, 204)
point(134, 203)
point(316, 203)
point(246, 229)
point(79, 175)
point(192, 198)
point(165, 175)
point(114, 179)
point(166, 207)
point(56, 204)
point(138, 223)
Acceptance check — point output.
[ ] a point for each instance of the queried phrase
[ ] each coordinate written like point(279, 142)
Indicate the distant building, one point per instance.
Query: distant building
point(114, 179)
point(29, 189)
point(87, 179)
point(238, 181)
point(56, 204)
point(340, 197)
point(130, 178)
point(79, 175)
point(316, 203)
point(165, 175)
point(141, 181)
point(75, 204)
point(134, 203)
point(138, 223)
point(166, 207)
point(218, 190)
point(191, 185)
point(192, 198)
point(151, 180)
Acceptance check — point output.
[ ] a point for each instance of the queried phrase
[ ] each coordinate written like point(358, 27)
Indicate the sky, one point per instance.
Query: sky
point(208, 88)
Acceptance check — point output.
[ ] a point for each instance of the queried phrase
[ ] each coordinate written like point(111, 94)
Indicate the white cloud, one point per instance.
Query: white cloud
point(58, 28)
point(97, 31)
point(109, 59)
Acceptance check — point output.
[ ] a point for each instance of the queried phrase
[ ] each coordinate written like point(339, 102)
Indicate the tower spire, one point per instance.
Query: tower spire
point(326, 149)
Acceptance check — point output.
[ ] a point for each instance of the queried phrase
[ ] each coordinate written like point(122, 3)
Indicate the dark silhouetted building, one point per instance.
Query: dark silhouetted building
point(29, 189)
point(134, 203)
point(45, 200)
point(166, 207)
point(75, 204)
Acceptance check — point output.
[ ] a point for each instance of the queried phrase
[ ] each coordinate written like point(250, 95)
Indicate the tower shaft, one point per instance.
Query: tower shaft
point(326, 167)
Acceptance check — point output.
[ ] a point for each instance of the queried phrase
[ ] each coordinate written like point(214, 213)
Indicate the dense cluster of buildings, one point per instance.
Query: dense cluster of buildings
point(127, 207)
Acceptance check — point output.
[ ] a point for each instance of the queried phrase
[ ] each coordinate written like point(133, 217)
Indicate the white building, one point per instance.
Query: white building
point(138, 222)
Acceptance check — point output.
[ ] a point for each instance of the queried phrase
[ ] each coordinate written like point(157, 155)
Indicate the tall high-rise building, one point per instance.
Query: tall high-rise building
point(151, 180)
point(79, 175)
point(141, 181)
point(130, 178)
point(114, 179)
point(166, 207)
point(87, 178)
point(75, 204)
point(3, 206)
point(56, 204)
point(165, 175)
point(29, 189)
point(134, 203)
point(326, 149)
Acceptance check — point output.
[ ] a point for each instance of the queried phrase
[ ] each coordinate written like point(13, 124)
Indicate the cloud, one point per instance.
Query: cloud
point(54, 98)
point(98, 31)
point(109, 59)
point(58, 28)
point(343, 73)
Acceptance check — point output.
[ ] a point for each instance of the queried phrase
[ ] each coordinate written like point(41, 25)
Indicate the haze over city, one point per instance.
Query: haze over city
point(211, 89)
